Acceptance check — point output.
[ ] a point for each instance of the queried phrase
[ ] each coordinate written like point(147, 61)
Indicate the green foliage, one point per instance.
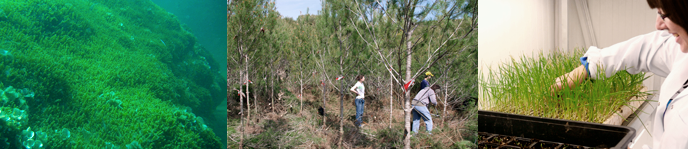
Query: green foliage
point(273, 135)
point(313, 50)
point(524, 85)
point(247, 22)
point(465, 144)
point(391, 137)
point(471, 124)
point(70, 52)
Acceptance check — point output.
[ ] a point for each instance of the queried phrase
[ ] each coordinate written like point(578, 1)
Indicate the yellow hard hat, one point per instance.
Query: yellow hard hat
point(428, 74)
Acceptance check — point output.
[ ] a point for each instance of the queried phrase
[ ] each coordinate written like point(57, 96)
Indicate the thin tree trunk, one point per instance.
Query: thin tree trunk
point(301, 90)
point(407, 119)
point(341, 113)
point(391, 96)
point(272, 93)
point(255, 103)
point(241, 105)
point(241, 99)
point(444, 111)
point(266, 87)
point(323, 106)
point(248, 101)
point(407, 96)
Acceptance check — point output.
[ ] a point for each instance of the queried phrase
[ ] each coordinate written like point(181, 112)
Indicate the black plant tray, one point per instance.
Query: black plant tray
point(502, 130)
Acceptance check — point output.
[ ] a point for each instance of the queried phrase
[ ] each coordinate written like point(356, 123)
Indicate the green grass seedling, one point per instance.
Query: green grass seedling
point(522, 86)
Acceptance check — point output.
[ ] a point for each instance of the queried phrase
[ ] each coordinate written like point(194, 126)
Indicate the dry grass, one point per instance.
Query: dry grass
point(289, 127)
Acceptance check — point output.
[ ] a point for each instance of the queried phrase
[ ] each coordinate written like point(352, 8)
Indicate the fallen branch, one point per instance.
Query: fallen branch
point(369, 135)
point(230, 137)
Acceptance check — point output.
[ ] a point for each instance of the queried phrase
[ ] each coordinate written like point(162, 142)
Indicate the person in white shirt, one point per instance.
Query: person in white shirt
point(359, 89)
point(660, 52)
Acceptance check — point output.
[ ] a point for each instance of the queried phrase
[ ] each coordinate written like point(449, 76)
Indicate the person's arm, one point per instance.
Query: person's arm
point(353, 89)
point(432, 97)
point(653, 52)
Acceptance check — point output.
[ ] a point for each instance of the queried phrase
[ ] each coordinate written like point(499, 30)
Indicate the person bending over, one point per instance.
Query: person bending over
point(424, 97)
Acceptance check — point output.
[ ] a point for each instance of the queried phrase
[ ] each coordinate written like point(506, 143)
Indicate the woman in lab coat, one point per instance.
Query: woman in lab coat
point(660, 52)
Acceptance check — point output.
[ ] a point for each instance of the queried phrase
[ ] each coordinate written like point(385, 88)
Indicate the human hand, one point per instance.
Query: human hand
point(573, 78)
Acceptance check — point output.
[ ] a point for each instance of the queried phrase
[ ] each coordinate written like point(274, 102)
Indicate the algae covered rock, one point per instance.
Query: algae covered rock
point(114, 71)
point(14, 115)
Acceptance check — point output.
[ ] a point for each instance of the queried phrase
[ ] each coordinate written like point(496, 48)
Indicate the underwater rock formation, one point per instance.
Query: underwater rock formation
point(70, 52)
point(14, 115)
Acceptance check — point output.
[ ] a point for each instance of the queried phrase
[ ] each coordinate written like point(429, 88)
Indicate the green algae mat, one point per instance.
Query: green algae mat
point(103, 74)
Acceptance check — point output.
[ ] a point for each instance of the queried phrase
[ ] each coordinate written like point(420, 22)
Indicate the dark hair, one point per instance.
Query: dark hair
point(434, 87)
point(359, 77)
point(653, 4)
point(676, 10)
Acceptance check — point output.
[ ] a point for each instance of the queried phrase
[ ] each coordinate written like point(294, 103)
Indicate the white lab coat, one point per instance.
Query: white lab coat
point(655, 52)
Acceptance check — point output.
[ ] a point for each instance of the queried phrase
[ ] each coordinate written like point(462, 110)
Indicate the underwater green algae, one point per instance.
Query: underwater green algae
point(105, 74)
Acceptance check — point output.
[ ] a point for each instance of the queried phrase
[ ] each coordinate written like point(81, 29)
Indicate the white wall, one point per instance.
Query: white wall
point(613, 21)
point(512, 28)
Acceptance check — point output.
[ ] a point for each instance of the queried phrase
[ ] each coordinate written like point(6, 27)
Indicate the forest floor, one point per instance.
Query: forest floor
point(287, 127)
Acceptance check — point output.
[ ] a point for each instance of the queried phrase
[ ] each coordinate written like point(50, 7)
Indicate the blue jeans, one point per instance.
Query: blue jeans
point(418, 113)
point(359, 110)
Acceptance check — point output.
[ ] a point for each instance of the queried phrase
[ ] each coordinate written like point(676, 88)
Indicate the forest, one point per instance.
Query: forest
point(288, 79)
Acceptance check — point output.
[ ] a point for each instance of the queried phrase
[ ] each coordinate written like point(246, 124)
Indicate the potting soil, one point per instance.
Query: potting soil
point(497, 141)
